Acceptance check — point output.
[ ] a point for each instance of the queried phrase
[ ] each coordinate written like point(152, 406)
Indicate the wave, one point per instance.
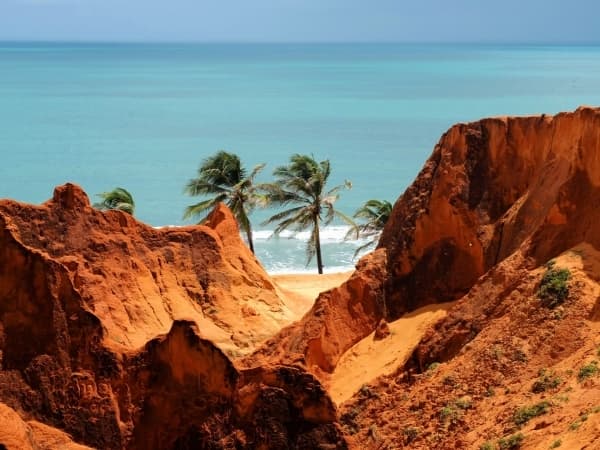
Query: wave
point(329, 235)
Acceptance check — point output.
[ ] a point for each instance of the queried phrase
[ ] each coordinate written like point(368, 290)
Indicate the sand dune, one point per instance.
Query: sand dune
point(369, 358)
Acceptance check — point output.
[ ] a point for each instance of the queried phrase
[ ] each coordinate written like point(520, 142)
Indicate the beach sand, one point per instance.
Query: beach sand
point(368, 358)
point(301, 290)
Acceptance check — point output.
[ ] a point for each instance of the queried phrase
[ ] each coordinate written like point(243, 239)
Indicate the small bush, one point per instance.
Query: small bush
point(519, 355)
point(450, 380)
point(547, 380)
point(448, 412)
point(526, 413)
point(557, 443)
point(587, 371)
point(512, 442)
point(453, 410)
point(554, 288)
point(463, 402)
point(585, 415)
point(433, 367)
point(410, 434)
point(367, 391)
point(575, 425)
point(487, 446)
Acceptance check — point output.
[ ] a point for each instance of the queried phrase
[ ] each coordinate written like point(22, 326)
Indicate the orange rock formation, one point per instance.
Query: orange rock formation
point(489, 188)
point(119, 334)
point(496, 200)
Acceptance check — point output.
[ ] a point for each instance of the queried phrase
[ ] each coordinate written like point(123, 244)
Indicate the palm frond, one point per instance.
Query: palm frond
point(344, 218)
point(202, 208)
point(375, 214)
point(334, 191)
point(197, 186)
point(364, 247)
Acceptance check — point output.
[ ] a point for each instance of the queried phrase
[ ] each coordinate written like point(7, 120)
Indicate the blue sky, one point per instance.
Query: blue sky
point(301, 20)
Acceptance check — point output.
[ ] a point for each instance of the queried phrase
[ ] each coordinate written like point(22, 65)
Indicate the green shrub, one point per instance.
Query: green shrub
point(448, 412)
point(526, 413)
point(547, 380)
point(512, 442)
point(575, 425)
point(433, 367)
point(587, 371)
point(554, 288)
point(487, 446)
point(557, 443)
point(410, 434)
point(463, 402)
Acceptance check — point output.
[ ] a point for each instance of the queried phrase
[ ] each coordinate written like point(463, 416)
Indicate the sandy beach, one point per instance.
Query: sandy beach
point(301, 290)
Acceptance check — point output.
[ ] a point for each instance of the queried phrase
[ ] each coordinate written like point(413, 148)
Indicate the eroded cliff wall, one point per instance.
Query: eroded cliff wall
point(489, 188)
point(125, 336)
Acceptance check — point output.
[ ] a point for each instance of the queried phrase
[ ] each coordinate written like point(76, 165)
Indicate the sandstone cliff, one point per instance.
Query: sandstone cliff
point(489, 188)
point(496, 200)
point(123, 335)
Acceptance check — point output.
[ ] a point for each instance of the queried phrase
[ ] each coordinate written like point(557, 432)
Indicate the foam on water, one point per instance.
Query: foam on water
point(328, 235)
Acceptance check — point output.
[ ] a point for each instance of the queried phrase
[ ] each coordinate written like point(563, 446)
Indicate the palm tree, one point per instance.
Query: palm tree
point(375, 213)
point(302, 183)
point(223, 177)
point(118, 198)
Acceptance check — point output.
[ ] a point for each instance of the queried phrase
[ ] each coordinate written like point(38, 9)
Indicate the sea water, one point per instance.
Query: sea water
point(143, 116)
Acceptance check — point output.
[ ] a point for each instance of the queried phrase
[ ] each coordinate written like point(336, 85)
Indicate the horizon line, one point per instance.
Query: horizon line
point(298, 42)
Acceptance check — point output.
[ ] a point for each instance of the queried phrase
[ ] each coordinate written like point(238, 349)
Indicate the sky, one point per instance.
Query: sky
point(521, 21)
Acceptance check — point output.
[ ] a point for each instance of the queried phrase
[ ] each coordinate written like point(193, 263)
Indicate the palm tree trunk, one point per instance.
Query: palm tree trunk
point(249, 236)
point(318, 246)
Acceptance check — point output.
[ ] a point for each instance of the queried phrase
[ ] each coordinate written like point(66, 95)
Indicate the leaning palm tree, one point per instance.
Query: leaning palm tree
point(375, 214)
point(224, 179)
point(302, 183)
point(118, 198)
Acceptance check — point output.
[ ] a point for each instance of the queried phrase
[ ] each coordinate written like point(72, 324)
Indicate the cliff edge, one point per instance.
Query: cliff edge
point(125, 336)
point(489, 188)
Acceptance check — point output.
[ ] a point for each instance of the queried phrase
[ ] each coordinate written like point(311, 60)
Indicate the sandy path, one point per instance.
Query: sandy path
point(369, 359)
point(301, 290)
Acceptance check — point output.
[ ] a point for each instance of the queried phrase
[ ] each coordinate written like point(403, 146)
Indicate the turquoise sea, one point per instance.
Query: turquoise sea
point(143, 116)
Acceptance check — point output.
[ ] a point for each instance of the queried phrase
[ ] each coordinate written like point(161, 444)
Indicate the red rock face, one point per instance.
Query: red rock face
point(489, 188)
point(118, 333)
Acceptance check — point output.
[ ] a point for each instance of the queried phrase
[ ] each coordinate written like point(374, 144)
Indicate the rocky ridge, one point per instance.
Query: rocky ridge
point(125, 336)
point(497, 199)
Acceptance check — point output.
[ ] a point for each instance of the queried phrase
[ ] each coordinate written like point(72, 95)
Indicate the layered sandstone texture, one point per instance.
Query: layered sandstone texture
point(122, 336)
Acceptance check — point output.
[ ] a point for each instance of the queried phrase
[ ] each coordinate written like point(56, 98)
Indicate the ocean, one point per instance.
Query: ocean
point(143, 116)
